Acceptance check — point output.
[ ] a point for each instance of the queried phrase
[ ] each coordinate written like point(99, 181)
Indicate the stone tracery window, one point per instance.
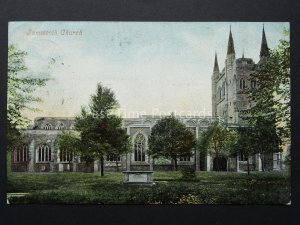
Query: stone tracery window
point(44, 153)
point(20, 154)
point(185, 159)
point(112, 158)
point(60, 126)
point(65, 156)
point(48, 126)
point(243, 157)
point(139, 148)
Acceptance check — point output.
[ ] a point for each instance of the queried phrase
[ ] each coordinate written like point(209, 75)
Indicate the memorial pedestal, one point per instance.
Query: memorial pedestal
point(138, 177)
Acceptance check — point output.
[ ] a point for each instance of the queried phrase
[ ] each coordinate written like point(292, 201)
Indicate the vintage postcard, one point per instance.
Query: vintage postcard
point(148, 113)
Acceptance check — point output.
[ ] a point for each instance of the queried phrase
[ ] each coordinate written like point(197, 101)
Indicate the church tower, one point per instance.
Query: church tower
point(214, 78)
point(230, 113)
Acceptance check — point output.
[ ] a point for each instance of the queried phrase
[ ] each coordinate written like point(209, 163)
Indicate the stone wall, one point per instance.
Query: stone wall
point(19, 167)
point(42, 167)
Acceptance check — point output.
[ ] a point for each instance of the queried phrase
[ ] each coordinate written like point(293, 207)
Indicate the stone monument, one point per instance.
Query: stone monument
point(138, 177)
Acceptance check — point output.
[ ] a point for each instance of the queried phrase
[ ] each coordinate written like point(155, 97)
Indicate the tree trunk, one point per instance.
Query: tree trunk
point(102, 166)
point(117, 165)
point(175, 164)
point(248, 166)
point(262, 162)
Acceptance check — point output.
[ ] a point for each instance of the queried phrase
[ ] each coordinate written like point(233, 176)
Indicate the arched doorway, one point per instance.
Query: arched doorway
point(220, 164)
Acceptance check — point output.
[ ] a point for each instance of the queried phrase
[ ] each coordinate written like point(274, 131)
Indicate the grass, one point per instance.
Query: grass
point(208, 188)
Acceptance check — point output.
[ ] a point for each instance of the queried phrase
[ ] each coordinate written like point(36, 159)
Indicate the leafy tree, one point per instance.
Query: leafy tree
point(21, 86)
point(271, 97)
point(69, 144)
point(100, 131)
point(171, 139)
point(270, 111)
point(218, 140)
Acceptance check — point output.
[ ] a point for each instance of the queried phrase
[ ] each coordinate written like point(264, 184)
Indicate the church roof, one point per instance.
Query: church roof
point(264, 50)
point(216, 65)
point(230, 49)
point(248, 60)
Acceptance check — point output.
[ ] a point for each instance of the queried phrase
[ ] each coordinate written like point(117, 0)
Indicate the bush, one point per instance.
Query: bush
point(189, 173)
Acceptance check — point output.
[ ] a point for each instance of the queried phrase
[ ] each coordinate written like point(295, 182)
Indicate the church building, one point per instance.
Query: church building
point(229, 102)
point(229, 98)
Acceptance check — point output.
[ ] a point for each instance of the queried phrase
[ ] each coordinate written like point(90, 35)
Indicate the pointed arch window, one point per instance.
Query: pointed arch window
point(44, 153)
point(185, 159)
point(253, 83)
point(20, 154)
point(242, 84)
point(112, 158)
point(60, 126)
point(139, 148)
point(48, 126)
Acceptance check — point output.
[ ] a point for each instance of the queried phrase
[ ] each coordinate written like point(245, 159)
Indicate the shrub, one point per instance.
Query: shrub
point(188, 173)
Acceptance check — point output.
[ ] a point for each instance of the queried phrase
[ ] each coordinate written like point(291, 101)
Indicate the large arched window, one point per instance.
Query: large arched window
point(139, 148)
point(44, 153)
point(20, 154)
point(48, 127)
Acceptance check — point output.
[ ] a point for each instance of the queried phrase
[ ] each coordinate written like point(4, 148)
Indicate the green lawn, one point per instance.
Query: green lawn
point(208, 188)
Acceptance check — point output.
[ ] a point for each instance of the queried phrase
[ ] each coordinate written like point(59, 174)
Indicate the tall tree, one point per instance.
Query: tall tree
point(270, 111)
point(217, 140)
point(271, 97)
point(171, 139)
point(100, 130)
point(21, 86)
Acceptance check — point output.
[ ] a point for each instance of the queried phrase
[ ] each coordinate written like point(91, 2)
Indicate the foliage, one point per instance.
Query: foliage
point(101, 132)
point(271, 97)
point(217, 140)
point(189, 173)
point(209, 188)
point(69, 142)
point(171, 139)
point(21, 86)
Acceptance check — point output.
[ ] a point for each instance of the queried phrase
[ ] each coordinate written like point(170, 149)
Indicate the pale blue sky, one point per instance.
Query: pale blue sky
point(153, 67)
